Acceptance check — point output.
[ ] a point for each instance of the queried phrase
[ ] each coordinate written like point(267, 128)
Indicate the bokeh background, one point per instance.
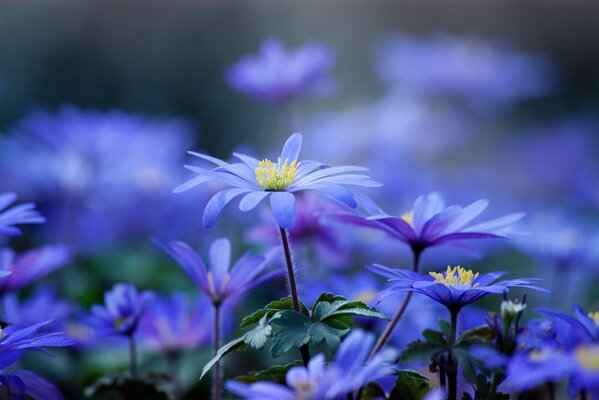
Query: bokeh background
point(99, 101)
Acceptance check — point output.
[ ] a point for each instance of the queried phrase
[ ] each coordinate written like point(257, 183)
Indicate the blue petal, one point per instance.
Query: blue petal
point(218, 202)
point(37, 387)
point(335, 191)
point(198, 180)
point(251, 200)
point(220, 260)
point(283, 208)
point(292, 148)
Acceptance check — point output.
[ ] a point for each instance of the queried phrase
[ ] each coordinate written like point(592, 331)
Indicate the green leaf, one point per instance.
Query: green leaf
point(445, 328)
point(291, 330)
point(409, 386)
point(332, 336)
point(271, 309)
point(478, 335)
point(273, 374)
point(434, 338)
point(373, 391)
point(258, 336)
point(466, 362)
point(357, 312)
point(341, 307)
point(326, 297)
point(483, 388)
point(419, 351)
point(226, 349)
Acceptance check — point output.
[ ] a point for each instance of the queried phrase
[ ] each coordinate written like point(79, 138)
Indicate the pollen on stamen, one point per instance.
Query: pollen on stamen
point(455, 276)
point(408, 217)
point(276, 177)
point(595, 317)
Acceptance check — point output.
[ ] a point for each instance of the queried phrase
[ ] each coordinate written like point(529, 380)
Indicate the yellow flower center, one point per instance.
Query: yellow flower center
point(455, 276)
point(365, 296)
point(588, 357)
point(408, 217)
point(303, 389)
point(276, 177)
point(539, 355)
point(119, 322)
point(595, 317)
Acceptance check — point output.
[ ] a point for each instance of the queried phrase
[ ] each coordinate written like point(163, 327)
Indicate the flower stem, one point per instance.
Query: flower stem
point(400, 312)
point(132, 357)
point(173, 359)
point(216, 378)
point(292, 285)
point(452, 365)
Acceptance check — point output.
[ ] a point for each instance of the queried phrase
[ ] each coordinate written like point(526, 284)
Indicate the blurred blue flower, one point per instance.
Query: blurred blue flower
point(22, 383)
point(176, 323)
point(278, 75)
point(219, 280)
point(574, 330)
point(41, 305)
point(279, 181)
point(103, 175)
point(467, 67)
point(31, 265)
point(455, 288)
point(349, 370)
point(431, 223)
point(122, 309)
point(21, 214)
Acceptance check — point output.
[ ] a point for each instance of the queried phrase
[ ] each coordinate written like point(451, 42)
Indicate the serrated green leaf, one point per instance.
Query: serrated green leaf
point(290, 330)
point(476, 335)
point(273, 374)
point(434, 338)
point(445, 328)
point(270, 309)
point(258, 336)
point(332, 336)
point(356, 312)
point(326, 297)
point(465, 361)
point(227, 348)
point(373, 391)
point(419, 351)
point(409, 386)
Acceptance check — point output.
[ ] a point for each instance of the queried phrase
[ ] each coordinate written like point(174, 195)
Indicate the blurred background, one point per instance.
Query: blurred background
point(99, 102)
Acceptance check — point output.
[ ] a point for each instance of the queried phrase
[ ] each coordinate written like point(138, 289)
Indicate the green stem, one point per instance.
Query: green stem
point(304, 350)
point(452, 365)
point(216, 378)
point(132, 357)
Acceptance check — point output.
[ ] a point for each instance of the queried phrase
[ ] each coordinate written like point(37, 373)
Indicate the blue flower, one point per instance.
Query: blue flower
point(431, 223)
point(176, 323)
point(455, 288)
point(349, 370)
point(43, 304)
point(279, 181)
point(13, 343)
point(278, 75)
point(219, 280)
point(30, 265)
point(123, 306)
point(21, 214)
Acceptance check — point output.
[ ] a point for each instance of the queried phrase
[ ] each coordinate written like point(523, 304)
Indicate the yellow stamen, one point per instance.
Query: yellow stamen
point(463, 277)
point(276, 177)
point(588, 357)
point(595, 317)
point(408, 217)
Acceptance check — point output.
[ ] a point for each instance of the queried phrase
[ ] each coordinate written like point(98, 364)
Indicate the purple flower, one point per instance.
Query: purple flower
point(219, 280)
point(30, 265)
point(278, 75)
point(176, 323)
point(43, 304)
point(279, 181)
point(123, 306)
point(431, 223)
point(349, 370)
point(21, 214)
point(571, 331)
point(23, 383)
point(455, 288)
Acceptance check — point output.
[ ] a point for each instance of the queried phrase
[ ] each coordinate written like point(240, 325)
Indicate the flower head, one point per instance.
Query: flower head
point(349, 370)
point(122, 309)
point(277, 75)
point(42, 304)
point(219, 280)
point(176, 323)
point(21, 214)
point(257, 180)
point(22, 269)
point(455, 288)
point(430, 223)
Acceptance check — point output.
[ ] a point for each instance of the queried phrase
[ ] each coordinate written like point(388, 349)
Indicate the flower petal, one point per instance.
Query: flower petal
point(292, 147)
point(283, 208)
point(220, 260)
point(218, 202)
point(251, 200)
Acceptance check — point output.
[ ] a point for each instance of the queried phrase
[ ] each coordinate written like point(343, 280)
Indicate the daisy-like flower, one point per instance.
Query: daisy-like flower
point(279, 181)
point(455, 288)
point(348, 371)
point(430, 223)
point(21, 214)
point(219, 280)
point(278, 75)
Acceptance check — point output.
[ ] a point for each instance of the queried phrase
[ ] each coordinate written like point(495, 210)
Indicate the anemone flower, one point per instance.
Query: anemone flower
point(21, 214)
point(42, 304)
point(31, 265)
point(348, 371)
point(120, 314)
point(277, 75)
point(22, 383)
point(279, 181)
point(455, 288)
